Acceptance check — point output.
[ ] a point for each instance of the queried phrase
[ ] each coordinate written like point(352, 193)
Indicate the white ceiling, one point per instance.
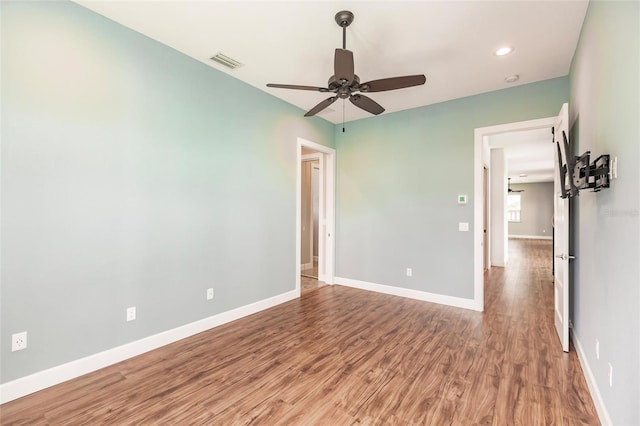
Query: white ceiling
point(451, 42)
point(528, 152)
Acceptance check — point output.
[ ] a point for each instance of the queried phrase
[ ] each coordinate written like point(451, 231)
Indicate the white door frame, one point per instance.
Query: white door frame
point(326, 238)
point(479, 162)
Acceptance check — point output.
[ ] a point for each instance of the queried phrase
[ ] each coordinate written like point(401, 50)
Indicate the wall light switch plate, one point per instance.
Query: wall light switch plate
point(462, 199)
point(463, 226)
point(209, 293)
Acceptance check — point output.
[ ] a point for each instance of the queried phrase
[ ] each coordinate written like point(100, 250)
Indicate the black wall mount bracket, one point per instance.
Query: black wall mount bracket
point(578, 173)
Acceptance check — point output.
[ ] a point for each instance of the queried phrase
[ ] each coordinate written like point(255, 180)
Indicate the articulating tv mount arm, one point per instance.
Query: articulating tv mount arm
point(577, 173)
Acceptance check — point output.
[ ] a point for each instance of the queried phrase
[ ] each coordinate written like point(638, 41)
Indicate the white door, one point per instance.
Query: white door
point(561, 237)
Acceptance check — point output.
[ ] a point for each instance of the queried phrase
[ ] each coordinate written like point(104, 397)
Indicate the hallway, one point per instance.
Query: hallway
point(534, 370)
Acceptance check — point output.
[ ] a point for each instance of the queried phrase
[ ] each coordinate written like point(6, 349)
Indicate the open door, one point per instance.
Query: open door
point(561, 236)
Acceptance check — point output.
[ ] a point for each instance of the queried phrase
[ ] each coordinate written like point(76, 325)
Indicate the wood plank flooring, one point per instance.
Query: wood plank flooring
point(341, 356)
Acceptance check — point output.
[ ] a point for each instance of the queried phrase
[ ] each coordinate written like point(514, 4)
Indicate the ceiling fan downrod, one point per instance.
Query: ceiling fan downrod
point(344, 19)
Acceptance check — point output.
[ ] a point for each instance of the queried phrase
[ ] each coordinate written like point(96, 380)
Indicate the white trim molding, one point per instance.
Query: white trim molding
point(61, 373)
point(531, 237)
point(440, 299)
point(603, 414)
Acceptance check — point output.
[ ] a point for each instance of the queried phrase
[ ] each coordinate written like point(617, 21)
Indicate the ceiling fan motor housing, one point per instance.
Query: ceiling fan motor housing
point(334, 84)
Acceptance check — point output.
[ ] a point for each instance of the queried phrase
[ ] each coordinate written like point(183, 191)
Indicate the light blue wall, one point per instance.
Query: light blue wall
point(605, 112)
point(398, 180)
point(132, 175)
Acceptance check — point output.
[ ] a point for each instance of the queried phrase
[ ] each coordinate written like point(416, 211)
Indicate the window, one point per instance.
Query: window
point(513, 207)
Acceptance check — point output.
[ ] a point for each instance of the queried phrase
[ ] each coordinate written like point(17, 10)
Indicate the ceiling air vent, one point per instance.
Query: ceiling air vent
point(226, 61)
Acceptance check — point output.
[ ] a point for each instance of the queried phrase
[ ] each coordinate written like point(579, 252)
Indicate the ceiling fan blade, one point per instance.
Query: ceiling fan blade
point(343, 65)
point(393, 83)
point(322, 105)
point(366, 104)
point(293, 86)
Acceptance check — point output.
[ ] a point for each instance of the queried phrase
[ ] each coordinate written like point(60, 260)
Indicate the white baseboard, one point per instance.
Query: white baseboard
point(531, 237)
point(304, 266)
point(603, 414)
point(457, 302)
point(61, 373)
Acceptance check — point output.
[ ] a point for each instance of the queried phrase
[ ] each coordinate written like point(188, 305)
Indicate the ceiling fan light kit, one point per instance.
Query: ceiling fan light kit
point(344, 83)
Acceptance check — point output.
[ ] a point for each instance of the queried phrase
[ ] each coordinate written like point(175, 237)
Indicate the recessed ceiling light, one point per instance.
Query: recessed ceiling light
point(523, 175)
point(512, 78)
point(504, 51)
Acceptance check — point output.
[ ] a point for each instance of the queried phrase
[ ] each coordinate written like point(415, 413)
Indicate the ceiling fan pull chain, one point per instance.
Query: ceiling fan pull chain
point(343, 116)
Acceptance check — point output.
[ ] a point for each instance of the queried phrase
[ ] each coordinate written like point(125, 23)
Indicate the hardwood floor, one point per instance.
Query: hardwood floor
point(309, 284)
point(309, 279)
point(311, 272)
point(345, 356)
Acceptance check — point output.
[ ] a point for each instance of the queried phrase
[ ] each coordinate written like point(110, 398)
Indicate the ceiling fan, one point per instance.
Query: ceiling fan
point(509, 187)
point(344, 83)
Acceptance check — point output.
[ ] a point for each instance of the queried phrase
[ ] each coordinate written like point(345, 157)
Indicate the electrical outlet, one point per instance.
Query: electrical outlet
point(209, 294)
point(409, 272)
point(18, 341)
point(610, 375)
point(597, 349)
point(131, 313)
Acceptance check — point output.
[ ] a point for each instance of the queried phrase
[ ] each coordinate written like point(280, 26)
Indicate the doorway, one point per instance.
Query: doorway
point(315, 201)
point(481, 159)
point(522, 186)
point(312, 199)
